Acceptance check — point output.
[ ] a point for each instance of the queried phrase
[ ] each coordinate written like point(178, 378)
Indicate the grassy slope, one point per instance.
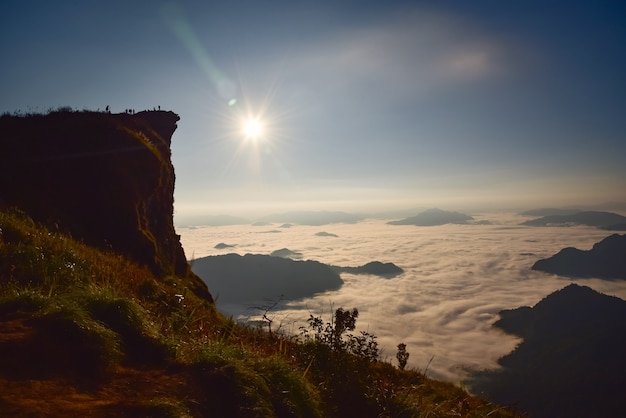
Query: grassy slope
point(88, 333)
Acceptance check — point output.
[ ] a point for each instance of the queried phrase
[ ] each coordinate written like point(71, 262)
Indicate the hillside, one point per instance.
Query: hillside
point(571, 362)
point(100, 315)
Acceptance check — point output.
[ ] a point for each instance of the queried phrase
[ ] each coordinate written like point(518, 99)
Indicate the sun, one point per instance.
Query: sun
point(252, 128)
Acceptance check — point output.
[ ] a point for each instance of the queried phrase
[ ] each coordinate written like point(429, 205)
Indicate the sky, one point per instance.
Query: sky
point(365, 105)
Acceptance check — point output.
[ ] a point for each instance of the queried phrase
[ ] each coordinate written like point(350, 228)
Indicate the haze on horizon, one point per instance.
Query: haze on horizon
point(363, 105)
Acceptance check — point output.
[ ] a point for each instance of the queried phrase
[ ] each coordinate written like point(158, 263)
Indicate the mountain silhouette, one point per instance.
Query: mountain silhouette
point(286, 253)
point(603, 220)
point(237, 279)
point(325, 234)
point(432, 217)
point(312, 218)
point(210, 220)
point(254, 277)
point(375, 268)
point(223, 245)
point(606, 260)
point(571, 362)
point(549, 212)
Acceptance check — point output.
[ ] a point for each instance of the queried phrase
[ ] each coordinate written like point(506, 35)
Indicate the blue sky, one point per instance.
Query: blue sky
point(367, 105)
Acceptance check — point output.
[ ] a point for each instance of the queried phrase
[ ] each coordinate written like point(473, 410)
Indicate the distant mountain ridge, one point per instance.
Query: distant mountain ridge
point(312, 218)
point(603, 220)
point(375, 268)
point(549, 212)
point(571, 362)
point(607, 260)
point(433, 217)
point(210, 220)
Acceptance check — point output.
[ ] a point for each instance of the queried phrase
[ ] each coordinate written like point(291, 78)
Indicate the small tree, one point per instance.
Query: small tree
point(344, 321)
point(268, 317)
point(402, 356)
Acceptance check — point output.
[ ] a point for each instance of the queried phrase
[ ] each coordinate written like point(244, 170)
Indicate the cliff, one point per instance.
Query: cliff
point(106, 179)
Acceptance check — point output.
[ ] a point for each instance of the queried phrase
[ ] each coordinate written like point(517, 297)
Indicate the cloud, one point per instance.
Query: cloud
point(456, 279)
point(402, 56)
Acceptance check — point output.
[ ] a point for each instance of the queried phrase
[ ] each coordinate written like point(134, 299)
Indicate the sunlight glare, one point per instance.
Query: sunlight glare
point(252, 128)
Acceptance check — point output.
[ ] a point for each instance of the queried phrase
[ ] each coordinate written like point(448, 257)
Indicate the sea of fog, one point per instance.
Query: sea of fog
point(456, 279)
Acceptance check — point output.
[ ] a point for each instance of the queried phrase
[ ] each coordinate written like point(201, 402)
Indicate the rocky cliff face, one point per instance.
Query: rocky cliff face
point(106, 179)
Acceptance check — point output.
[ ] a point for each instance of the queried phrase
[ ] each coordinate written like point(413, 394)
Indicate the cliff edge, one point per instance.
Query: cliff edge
point(106, 179)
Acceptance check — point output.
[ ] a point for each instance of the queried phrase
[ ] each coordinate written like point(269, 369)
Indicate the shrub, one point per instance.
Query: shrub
point(331, 334)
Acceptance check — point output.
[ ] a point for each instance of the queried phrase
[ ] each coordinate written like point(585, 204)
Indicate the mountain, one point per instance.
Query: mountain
point(603, 220)
point(325, 234)
point(571, 362)
point(549, 212)
point(286, 253)
point(241, 280)
point(432, 217)
point(375, 268)
point(210, 220)
point(313, 218)
point(396, 213)
point(104, 178)
point(606, 260)
point(222, 246)
point(255, 277)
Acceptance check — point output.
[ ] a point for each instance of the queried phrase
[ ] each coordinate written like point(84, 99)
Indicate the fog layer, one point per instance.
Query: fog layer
point(456, 279)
